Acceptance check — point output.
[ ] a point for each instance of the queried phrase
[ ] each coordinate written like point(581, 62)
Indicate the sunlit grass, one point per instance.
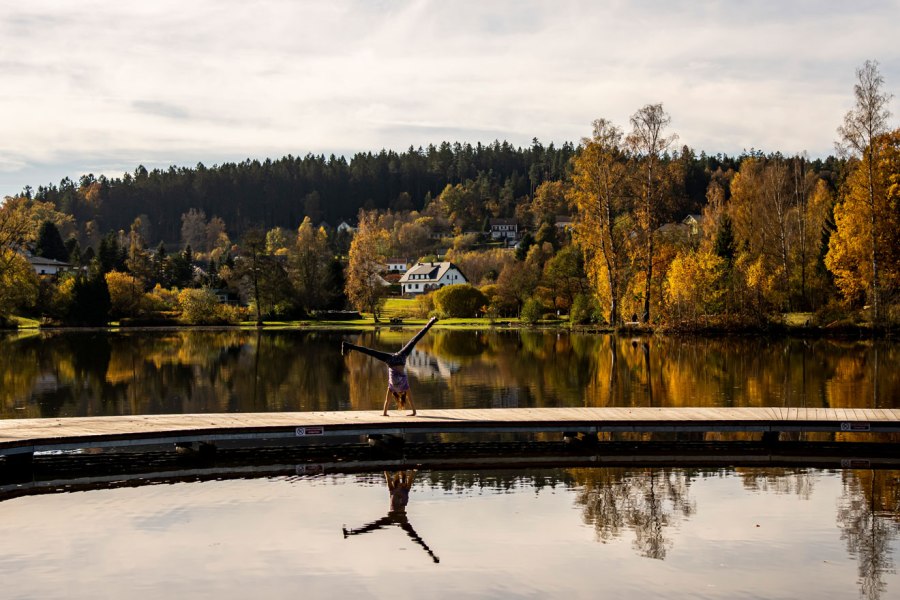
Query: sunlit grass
point(798, 319)
point(25, 322)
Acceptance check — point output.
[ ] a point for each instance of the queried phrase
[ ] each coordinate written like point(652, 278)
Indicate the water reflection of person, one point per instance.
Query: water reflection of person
point(398, 487)
point(398, 381)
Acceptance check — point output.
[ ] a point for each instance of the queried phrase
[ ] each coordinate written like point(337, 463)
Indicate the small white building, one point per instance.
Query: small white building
point(694, 223)
point(397, 265)
point(48, 266)
point(421, 278)
point(504, 229)
point(564, 222)
point(345, 227)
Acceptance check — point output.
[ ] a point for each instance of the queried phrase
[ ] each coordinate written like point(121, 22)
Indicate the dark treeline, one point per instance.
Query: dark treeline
point(281, 192)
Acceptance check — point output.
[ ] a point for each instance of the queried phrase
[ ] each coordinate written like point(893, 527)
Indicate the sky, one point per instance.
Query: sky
point(101, 86)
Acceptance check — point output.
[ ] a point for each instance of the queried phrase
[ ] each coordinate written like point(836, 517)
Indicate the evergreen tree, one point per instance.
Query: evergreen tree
point(111, 255)
point(524, 245)
point(50, 243)
point(73, 250)
point(159, 267)
point(180, 268)
point(725, 245)
point(90, 301)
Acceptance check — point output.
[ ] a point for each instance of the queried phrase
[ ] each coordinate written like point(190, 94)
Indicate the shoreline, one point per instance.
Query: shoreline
point(772, 330)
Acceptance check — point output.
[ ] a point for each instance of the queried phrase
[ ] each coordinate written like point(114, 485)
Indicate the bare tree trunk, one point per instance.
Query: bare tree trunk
point(876, 308)
point(646, 316)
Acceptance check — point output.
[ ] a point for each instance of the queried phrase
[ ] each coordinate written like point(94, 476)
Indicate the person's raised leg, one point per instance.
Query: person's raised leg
point(384, 357)
point(405, 351)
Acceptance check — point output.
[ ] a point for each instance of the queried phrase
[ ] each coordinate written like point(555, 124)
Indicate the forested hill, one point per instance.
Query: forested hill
point(281, 192)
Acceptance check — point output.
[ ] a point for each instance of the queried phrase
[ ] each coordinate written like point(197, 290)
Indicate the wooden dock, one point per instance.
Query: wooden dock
point(27, 436)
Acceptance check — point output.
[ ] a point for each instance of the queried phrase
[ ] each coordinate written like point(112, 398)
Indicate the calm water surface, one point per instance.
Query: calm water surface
point(581, 533)
point(53, 374)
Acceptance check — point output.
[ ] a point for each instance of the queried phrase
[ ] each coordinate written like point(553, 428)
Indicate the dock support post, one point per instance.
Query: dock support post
point(580, 437)
point(207, 449)
point(385, 441)
point(770, 437)
point(19, 467)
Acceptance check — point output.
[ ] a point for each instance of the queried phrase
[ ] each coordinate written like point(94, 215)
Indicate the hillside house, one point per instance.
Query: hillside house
point(48, 266)
point(424, 277)
point(504, 229)
point(345, 227)
point(397, 265)
point(564, 222)
point(694, 223)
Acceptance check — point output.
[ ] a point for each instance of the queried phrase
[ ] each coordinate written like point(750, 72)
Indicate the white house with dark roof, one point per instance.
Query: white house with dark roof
point(421, 278)
point(505, 229)
point(48, 266)
point(397, 265)
point(346, 227)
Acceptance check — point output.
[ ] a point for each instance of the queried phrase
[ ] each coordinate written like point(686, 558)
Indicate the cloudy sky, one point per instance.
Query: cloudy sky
point(101, 86)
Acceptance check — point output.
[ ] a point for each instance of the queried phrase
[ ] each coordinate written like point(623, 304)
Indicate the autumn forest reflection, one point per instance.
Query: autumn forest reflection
point(50, 374)
point(648, 506)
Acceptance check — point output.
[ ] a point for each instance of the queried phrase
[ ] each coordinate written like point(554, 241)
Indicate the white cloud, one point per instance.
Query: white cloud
point(88, 84)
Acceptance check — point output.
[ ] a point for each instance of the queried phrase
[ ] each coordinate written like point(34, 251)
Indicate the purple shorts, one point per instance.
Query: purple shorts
point(398, 382)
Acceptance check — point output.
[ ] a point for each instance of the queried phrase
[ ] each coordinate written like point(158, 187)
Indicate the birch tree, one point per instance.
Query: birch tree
point(599, 190)
point(648, 142)
point(863, 124)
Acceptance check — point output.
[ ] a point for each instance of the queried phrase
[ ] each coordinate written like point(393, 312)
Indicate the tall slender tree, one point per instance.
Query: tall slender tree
point(863, 124)
point(599, 190)
point(649, 143)
point(364, 287)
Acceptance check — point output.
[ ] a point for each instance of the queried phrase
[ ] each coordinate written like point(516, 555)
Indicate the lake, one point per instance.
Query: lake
point(548, 532)
point(52, 374)
point(519, 533)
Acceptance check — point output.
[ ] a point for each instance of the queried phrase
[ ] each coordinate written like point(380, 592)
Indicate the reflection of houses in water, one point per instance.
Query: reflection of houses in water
point(45, 383)
point(505, 398)
point(427, 366)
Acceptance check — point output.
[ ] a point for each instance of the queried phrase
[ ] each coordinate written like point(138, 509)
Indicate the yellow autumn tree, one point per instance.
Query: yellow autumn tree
point(309, 260)
point(18, 282)
point(850, 249)
point(125, 294)
point(365, 288)
point(600, 192)
point(693, 285)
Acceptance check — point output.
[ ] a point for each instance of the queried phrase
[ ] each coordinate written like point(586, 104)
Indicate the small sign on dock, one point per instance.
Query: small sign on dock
point(314, 430)
point(851, 426)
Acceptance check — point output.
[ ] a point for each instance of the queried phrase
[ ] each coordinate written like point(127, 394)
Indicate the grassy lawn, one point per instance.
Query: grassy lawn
point(401, 308)
point(25, 322)
point(798, 319)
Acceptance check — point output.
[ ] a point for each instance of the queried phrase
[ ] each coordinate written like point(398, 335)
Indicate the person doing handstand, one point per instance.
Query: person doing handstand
point(399, 485)
point(398, 381)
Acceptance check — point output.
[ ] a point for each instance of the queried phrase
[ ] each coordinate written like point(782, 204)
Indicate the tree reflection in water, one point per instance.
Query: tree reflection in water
point(646, 502)
point(134, 372)
point(869, 518)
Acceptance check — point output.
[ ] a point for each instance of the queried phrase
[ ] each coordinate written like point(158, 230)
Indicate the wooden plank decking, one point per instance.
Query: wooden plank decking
point(30, 435)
